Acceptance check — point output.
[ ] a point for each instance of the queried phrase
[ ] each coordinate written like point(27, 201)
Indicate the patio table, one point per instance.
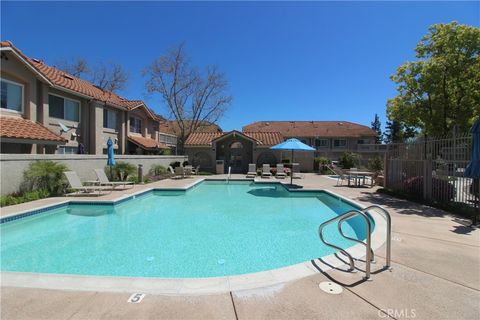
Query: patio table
point(360, 175)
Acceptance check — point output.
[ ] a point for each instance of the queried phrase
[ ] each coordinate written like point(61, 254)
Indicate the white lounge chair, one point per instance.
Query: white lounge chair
point(176, 173)
point(103, 180)
point(341, 176)
point(266, 170)
point(77, 185)
point(280, 171)
point(252, 170)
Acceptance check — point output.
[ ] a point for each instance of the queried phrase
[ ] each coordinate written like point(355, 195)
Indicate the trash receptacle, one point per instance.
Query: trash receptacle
point(220, 167)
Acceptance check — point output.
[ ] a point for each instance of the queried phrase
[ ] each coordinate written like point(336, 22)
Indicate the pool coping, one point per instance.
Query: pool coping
point(188, 286)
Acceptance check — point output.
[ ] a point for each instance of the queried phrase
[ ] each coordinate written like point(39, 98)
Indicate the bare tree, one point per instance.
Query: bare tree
point(194, 99)
point(109, 77)
point(77, 67)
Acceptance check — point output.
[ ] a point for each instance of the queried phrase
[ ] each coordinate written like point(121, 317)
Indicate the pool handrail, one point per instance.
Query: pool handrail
point(368, 226)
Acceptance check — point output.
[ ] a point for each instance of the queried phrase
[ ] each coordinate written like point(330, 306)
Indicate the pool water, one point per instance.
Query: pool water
point(213, 229)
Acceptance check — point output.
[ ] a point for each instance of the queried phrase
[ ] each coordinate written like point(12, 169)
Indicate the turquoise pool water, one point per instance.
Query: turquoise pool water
point(213, 229)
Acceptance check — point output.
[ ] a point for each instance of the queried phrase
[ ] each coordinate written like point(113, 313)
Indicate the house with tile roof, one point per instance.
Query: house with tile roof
point(330, 138)
point(46, 110)
point(236, 149)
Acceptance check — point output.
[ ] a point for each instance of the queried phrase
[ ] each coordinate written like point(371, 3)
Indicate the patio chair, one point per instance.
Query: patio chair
point(341, 176)
point(196, 170)
point(252, 170)
point(179, 172)
point(173, 173)
point(280, 171)
point(76, 184)
point(187, 171)
point(103, 180)
point(266, 170)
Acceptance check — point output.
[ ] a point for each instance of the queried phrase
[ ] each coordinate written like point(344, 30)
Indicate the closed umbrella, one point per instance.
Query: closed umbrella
point(292, 145)
point(111, 156)
point(473, 168)
point(81, 149)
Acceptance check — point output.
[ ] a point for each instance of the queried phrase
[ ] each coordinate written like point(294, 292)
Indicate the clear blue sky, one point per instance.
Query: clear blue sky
point(284, 60)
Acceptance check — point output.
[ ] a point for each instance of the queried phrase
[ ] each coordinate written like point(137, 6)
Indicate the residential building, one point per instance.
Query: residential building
point(234, 149)
point(46, 110)
point(330, 138)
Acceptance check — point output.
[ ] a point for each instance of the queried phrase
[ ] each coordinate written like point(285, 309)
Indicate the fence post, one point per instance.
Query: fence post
point(386, 168)
point(427, 179)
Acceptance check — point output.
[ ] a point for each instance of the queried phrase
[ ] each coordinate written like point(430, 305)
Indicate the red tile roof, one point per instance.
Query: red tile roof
point(202, 138)
point(172, 127)
point(312, 128)
point(20, 128)
point(63, 80)
point(206, 138)
point(266, 138)
point(147, 143)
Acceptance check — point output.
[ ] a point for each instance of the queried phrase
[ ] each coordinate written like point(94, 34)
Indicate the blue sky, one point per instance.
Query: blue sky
point(284, 60)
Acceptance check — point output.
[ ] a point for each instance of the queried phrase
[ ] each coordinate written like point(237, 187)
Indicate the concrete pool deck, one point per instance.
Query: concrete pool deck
point(436, 275)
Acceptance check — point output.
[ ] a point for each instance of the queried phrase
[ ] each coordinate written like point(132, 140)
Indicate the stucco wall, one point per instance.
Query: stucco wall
point(12, 166)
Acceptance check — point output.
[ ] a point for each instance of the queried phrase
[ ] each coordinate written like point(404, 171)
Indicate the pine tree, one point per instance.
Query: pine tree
point(376, 126)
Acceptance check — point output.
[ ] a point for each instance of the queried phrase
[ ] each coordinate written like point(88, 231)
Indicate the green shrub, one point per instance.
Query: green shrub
point(17, 198)
point(348, 160)
point(46, 175)
point(121, 171)
point(157, 170)
point(134, 178)
point(204, 173)
point(375, 164)
point(319, 164)
point(166, 152)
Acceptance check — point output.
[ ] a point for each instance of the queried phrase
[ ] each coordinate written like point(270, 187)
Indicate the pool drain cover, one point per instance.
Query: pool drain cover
point(330, 287)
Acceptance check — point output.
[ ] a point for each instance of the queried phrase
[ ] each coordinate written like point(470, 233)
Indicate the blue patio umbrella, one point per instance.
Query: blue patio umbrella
point(292, 145)
point(111, 155)
point(473, 168)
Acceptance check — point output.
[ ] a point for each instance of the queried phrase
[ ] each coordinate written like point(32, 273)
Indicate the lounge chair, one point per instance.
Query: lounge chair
point(176, 173)
point(179, 172)
point(341, 176)
point(103, 180)
point(266, 170)
point(280, 171)
point(252, 170)
point(77, 185)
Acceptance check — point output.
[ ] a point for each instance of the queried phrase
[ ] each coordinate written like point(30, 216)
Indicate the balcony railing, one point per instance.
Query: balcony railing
point(168, 139)
point(372, 147)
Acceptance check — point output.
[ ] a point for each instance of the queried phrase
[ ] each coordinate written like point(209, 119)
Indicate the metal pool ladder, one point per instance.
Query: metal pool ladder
point(229, 174)
point(369, 256)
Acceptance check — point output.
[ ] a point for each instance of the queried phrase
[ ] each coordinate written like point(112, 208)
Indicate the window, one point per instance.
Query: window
point(321, 143)
point(12, 96)
point(109, 119)
point(63, 108)
point(135, 125)
point(339, 143)
point(361, 141)
point(67, 150)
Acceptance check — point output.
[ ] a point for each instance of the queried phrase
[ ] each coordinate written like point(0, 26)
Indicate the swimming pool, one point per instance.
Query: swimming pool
point(213, 229)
